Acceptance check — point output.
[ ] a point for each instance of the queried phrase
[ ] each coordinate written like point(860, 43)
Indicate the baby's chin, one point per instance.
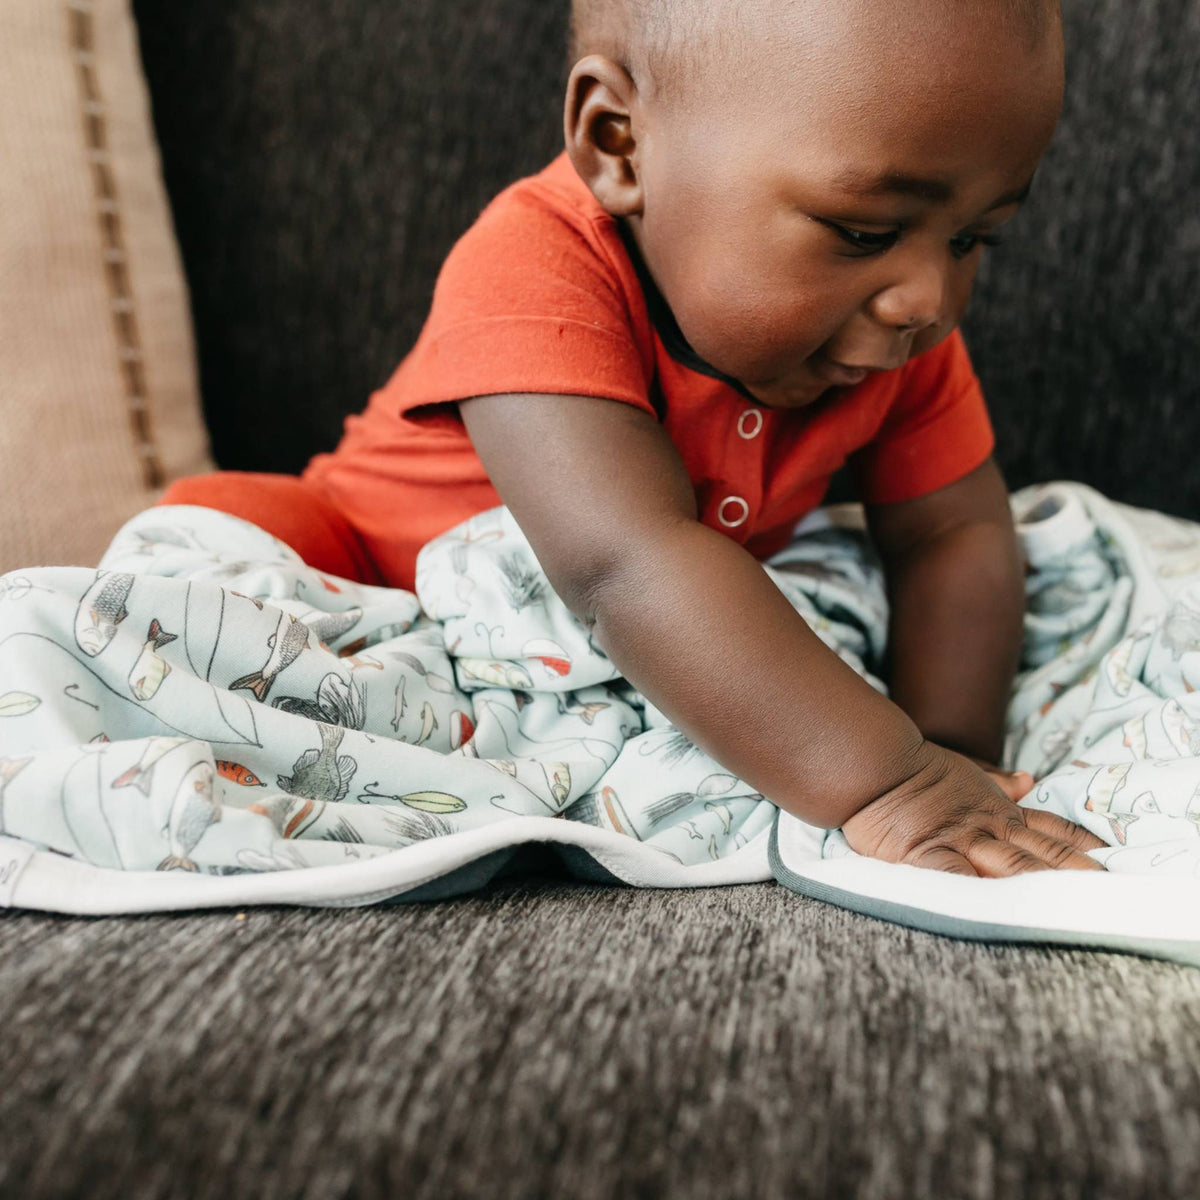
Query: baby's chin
point(798, 393)
point(807, 384)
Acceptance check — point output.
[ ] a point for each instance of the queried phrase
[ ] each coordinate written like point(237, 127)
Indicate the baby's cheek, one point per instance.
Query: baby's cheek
point(757, 334)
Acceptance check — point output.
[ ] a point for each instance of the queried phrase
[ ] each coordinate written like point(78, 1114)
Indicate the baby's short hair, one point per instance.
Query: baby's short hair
point(664, 42)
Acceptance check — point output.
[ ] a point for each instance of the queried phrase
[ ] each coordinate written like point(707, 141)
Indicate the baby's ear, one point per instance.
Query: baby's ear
point(601, 122)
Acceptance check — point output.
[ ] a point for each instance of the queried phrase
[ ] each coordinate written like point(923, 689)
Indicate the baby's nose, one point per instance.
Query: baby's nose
point(915, 301)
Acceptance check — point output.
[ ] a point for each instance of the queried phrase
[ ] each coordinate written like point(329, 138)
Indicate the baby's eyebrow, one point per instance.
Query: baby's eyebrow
point(936, 191)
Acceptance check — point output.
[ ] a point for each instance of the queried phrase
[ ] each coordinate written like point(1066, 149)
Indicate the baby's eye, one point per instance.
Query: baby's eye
point(962, 245)
point(868, 243)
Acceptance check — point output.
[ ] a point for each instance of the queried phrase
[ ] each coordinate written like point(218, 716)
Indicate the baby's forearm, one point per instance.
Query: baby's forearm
point(692, 620)
point(957, 607)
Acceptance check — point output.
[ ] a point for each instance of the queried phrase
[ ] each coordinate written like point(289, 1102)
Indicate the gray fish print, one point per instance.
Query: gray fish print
point(338, 702)
point(1181, 630)
point(101, 610)
point(9, 769)
point(329, 626)
point(193, 810)
point(321, 774)
point(288, 640)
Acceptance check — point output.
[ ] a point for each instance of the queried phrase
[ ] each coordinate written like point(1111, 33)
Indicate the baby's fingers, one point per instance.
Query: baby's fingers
point(942, 858)
point(995, 857)
point(1053, 851)
point(1062, 830)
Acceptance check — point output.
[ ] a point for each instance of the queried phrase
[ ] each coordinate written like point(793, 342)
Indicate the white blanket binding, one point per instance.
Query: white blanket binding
point(206, 721)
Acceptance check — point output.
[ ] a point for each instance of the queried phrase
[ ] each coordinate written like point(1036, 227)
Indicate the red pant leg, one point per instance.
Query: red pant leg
point(293, 511)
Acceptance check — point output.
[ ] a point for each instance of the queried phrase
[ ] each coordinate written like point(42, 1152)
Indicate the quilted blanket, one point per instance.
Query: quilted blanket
point(205, 720)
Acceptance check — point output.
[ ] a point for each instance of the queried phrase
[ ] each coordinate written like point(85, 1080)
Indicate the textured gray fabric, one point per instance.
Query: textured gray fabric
point(322, 158)
point(544, 1039)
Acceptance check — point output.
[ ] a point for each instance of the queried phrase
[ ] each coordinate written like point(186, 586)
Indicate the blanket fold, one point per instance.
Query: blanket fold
point(205, 720)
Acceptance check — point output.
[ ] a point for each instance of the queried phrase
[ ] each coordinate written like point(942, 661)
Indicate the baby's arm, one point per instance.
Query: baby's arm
point(956, 593)
point(692, 620)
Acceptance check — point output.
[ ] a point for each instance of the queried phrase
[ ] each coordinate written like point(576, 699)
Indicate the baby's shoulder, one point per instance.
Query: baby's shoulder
point(554, 200)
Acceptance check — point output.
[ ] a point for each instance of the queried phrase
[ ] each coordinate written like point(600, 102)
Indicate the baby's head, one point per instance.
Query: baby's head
point(809, 182)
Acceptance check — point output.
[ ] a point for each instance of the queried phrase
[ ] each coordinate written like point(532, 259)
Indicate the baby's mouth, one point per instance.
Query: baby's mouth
point(837, 374)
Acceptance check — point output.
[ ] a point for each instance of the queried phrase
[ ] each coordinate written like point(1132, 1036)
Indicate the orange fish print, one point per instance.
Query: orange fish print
point(238, 774)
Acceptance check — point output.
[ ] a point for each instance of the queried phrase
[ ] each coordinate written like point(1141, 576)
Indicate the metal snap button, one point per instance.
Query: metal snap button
point(750, 423)
point(740, 507)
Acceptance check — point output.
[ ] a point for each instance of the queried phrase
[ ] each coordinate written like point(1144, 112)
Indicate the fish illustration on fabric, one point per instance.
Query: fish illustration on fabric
point(723, 812)
point(550, 654)
point(1189, 566)
point(329, 626)
point(165, 535)
point(385, 633)
point(496, 673)
point(338, 702)
point(713, 852)
point(518, 744)
point(692, 831)
point(102, 610)
point(464, 585)
point(401, 704)
point(1181, 730)
point(229, 570)
point(141, 774)
point(1054, 745)
point(150, 670)
point(291, 815)
point(10, 768)
point(286, 643)
point(1134, 731)
point(438, 683)
point(558, 779)
point(236, 773)
point(1116, 664)
point(429, 723)
point(193, 810)
point(569, 704)
point(322, 774)
point(359, 662)
point(1181, 630)
point(1056, 690)
point(1104, 797)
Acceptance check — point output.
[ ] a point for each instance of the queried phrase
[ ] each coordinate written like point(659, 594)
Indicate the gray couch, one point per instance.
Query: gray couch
point(545, 1038)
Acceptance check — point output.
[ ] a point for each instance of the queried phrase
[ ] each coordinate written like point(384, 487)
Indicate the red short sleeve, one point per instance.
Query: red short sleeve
point(529, 300)
point(936, 430)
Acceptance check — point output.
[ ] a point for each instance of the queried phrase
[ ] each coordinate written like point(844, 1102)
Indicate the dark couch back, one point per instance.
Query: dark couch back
point(321, 159)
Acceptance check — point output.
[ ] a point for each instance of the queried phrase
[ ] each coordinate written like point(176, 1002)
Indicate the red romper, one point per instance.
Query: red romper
point(545, 294)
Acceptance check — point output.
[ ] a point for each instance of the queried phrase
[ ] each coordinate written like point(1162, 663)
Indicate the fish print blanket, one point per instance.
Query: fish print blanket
point(204, 720)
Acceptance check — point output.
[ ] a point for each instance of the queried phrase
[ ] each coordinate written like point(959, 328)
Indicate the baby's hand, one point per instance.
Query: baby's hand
point(1014, 784)
point(953, 816)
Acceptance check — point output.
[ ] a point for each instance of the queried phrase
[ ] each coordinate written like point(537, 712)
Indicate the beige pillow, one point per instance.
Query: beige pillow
point(98, 399)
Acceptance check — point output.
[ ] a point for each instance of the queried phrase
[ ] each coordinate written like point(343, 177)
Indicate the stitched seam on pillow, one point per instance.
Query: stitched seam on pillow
point(81, 36)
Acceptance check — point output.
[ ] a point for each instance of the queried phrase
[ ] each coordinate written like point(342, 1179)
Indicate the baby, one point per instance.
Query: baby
point(746, 270)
